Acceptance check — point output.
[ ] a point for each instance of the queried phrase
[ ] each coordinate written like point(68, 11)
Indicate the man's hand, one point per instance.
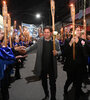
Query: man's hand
point(55, 53)
point(21, 49)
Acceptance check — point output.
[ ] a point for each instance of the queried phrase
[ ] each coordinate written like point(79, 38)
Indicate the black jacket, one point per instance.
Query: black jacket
point(80, 56)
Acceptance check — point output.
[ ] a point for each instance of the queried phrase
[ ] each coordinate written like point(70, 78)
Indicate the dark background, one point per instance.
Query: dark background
point(25, 10)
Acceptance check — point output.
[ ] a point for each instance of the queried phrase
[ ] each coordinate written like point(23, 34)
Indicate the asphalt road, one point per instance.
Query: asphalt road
point(29, 87)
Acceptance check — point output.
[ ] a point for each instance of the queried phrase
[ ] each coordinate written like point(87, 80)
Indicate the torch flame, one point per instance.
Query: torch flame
point(8, 14)
point(4, 2)
point(71, 5)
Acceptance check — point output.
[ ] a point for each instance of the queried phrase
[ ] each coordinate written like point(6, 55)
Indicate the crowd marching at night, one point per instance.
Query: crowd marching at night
point(72, 51)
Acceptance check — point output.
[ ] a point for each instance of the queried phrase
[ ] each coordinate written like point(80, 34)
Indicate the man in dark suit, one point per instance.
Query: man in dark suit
point(46, 62)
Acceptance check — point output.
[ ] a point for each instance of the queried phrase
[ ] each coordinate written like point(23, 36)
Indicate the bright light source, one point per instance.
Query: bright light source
point(4, 2)
point(15, 22)
point(71, 26)
point(38, 16)
point(71, 4)
point(8, 14)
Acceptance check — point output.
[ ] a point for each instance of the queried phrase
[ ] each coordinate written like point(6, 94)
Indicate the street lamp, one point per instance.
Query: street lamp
point(38, 16)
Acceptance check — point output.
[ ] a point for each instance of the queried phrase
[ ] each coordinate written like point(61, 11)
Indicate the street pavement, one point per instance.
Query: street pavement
point(30, 88)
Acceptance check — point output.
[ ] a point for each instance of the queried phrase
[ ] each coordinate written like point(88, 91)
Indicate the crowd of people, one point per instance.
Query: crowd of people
point(77, 69)
point(12, 58)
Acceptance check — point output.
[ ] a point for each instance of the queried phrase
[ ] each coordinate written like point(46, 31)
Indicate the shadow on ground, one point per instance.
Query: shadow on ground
point(32, 79)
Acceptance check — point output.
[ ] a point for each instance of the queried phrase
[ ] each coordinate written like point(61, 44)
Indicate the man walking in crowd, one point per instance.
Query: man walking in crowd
point(46, 62)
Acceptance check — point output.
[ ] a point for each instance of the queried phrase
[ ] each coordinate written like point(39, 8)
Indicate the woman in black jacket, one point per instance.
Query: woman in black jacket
point(75, 68)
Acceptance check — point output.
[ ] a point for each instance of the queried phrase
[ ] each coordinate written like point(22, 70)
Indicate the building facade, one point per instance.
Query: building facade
point(79, 10)
point(79, 7)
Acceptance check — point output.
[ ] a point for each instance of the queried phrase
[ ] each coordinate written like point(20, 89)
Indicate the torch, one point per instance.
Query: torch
point(84, 19)
point(4, 12)
point(15, 23)
point(21, 32)
point(9, 29)
point(53, 20)
point(73, 23)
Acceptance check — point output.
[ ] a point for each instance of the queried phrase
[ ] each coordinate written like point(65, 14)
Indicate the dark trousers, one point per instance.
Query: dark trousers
point(17, 70)
point(4, 86)
point(68, 81)
point(52, 83)
point(75, 77)
point(77, 83)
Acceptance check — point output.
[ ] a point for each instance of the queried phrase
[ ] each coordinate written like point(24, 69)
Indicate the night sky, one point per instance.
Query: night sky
point(25, 10)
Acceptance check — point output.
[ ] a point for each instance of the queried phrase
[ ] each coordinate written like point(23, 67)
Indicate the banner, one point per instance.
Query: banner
point(80, 14)
point(32, 29)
